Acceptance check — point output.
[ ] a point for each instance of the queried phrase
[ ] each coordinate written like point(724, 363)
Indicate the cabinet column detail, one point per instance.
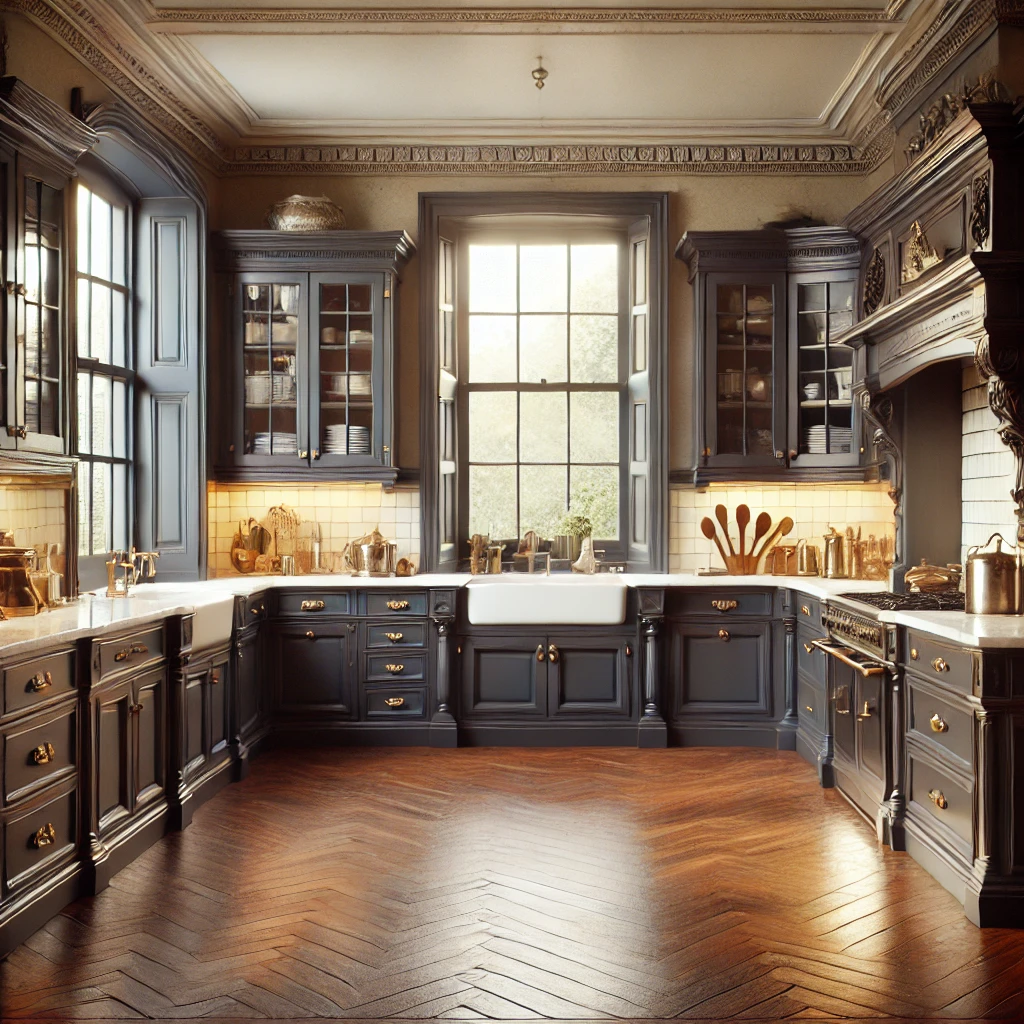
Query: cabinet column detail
point(897, 797)
point(443, 729)
point(651, 731)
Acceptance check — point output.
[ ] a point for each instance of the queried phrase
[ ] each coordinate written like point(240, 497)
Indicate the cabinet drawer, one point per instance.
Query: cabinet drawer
point(939, 721)
point(400, 602)
point(932, 659)
point(134, 652)
point(38, 680)
point(810, 702)
point(811, 663)
point(724, 603)
point(299, 603)
point(941, 797)
point(409, 702)
point(380, 667)
point(390, 634)
point(251, 609)
point(39, 751)
point(39, 839)
point(808, 609)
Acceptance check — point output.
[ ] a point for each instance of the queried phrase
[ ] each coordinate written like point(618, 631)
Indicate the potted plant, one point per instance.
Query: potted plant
point(568, 542)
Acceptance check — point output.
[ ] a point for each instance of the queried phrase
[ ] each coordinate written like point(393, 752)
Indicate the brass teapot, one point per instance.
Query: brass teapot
point(372, 555)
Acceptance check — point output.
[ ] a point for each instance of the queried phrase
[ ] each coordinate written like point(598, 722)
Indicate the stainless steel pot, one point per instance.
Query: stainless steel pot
point(993, 584)
point(835, 562)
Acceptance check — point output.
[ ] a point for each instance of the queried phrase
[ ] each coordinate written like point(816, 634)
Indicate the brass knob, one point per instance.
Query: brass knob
point(44, 753)
point(138, 649)
point(394, 702)
point(804, 610)
point(724, 606)
point(808, 648)
point(215, 677)
point(394, 669)
point(940, 665)
point(629, 650)
point(46, 836)
point(780, 454)
point(310, 635)
point(255, 611)
point(316, 453)
point(312, 606)
point(394, 637)
point(723, 634)
point(303, 454)
point(865, 712)
point(793, 453)
point(540, 652)
point(123, 655)
point(134, 709)
point(936, 797)
point(938, 723)
point(553, 654)
point(809, 708)
point(914, 654)
point(40, 682)
point(398, 606)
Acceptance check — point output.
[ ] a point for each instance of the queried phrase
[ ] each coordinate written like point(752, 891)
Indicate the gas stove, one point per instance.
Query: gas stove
point(932, 601)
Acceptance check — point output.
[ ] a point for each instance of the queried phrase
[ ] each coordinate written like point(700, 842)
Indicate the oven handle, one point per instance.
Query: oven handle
point(865, 668)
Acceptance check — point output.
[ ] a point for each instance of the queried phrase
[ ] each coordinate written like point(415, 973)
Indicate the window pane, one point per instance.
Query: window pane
point(102, 438)
point(119, 425)
point(492, 348)
point(100, 240)
point(492, 506)
point(594, 349)
point(84, 414)
point(84, 497)
point(542, 348)
point(594, 426)
point(492, 278)
point(83, 318)
point(119, 330)
point(119, 507)
point(541, 498)
point(82, 225)
point(594, 492)
point(542, 279)
point(492, 426)
point(99, 346)
point(543, 422)
point(101, 512)
point(595, 279)
point(119, 267)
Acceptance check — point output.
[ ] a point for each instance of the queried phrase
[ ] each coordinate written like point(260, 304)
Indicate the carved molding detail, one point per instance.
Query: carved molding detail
point(980, 209)
point(941, 114)
point(919, 254)
point(874, 283)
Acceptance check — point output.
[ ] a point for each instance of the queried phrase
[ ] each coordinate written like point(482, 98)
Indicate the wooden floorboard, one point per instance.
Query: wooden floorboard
point(503, 884)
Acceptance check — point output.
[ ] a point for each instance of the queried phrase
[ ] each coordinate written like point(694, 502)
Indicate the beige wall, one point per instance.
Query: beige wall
point(723, 202)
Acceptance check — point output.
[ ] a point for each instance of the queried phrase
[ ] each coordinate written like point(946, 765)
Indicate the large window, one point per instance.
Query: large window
point(105, 379)
point(544, 374)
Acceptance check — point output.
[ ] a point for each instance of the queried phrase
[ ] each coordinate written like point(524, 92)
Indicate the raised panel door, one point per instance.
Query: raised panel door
point(192, 721)
point(248, 684)
point(588, 677)
point(149, 774)
point(218, 702)
point(506, 676)
point(112, 735)
point(314, 665)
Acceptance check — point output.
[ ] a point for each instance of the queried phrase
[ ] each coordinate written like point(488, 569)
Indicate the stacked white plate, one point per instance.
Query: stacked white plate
point(359, 384)
point(341, 440)
point(816, 439)
point(257, 389)
point(284, 387)
point(283, 444)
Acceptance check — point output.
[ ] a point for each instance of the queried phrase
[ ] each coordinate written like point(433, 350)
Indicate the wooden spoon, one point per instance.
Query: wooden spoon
point(708, 529)
point(780, 531)
point(761, 527)
point(742, 521)
point(723, 520)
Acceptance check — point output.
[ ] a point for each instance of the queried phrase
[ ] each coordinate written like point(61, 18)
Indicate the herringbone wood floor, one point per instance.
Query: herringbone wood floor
point(520, 884)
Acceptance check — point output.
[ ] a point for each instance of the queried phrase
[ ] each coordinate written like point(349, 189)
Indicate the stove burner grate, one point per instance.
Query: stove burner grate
point(935, 601)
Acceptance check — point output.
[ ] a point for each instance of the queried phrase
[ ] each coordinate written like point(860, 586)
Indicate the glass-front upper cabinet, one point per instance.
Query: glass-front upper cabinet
point(313, 332)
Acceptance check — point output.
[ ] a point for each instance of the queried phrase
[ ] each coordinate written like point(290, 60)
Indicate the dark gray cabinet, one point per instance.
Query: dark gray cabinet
point(314, 667)
point(814, 730)
point(249, 720)
point(504, 675)
point(309, 326)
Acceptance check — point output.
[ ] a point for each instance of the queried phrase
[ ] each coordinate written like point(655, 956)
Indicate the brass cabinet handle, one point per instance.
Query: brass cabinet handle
point(40, 682)
point(804, 610)
point(540, 652)
point(553, 654)
point(123, 655)
point(312, 606)
point(394, 702)
point(138, 649)
point(398, 606)
point(303, 454)
point(938, 723)
point(780, 454)
point(215, 677)
point(21, 432)
point(865, 712)
point(723, 634)
point(629, 650)
point(722, 605)
point(255, 611)
point(936, 797)
point(134, 708)
point(914, 654)
point(808, 648)
point(808, 707)
point(395, 669)
point(45, 836)
point(310, 635)
point(316, 453)
point(940, 665)
point(394, 637)
point(44, 753)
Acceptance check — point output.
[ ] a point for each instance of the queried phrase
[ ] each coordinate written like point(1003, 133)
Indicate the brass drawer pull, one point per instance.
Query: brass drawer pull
point(46, 836)
point(123, 655)
point(723, 634)
point(540, 652)
point(865, 712)
point(44, 753)
point(395, 669)
point(310, 635)
point(804, 610)
point(139, 649)
point(722, 605)
point(398, 606)
point(394, 637)
point(39, 683)
point(914, 654)
point(940, 665)
point(394, 702)
point(553, 654)
point(312, 606)
point(134, 708)
point(938, 723)
point(215, 677)
point(808, 648)
point(936, 797)
point(807, 707)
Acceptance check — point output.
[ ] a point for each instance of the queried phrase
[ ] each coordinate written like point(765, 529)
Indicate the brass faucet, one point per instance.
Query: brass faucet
point(130, 572)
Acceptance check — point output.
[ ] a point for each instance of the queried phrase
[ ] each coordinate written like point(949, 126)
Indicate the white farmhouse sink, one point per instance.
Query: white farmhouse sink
point(212, 622)
point(533, 600)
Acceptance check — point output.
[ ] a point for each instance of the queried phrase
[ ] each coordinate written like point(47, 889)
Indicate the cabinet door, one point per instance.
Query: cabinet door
point(745, 370)
point(193, 752)
point(248, 685)
point(40, 355)
point(269, 312)
point(218, 729)
point(823, 428)
point(150, 725)
point(588, 677)
point(721, 669)
point(350, 371)
point(843, 689)
point(314, 664)
point(871, 713)
point(113, 736)
point(8, 300)
point(503, 675)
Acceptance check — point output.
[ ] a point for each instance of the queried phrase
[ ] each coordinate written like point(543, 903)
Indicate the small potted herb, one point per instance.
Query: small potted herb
point(568, 542)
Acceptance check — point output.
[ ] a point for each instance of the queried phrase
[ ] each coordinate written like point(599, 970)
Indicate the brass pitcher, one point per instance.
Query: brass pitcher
point(835, 562)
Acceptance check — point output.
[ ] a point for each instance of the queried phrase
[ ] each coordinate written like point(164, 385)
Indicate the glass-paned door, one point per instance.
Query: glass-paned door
point(346, 347)
point(40, 315)
point(746, 371)
point(8, 260)
point(272, 320)
point(824, 423)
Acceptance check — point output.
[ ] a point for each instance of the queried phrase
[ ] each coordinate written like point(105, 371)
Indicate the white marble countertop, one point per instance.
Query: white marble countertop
point(991, 631)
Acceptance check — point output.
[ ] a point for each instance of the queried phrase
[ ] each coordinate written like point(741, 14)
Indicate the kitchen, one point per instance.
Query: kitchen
point(520, 461)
